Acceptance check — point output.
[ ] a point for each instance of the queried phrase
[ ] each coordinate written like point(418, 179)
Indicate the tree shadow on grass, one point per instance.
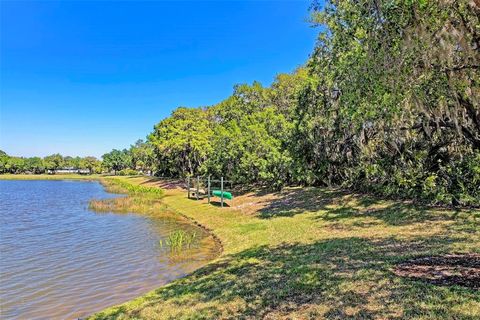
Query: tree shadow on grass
point(337, 205)
point(165, 183)
point(396, 213)
point(345, 278)
point(402, 214)
point(218, 203)
point(291, 202)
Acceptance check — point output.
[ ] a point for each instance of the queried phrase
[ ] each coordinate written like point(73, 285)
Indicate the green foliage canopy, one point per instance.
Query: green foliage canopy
point(388, 102)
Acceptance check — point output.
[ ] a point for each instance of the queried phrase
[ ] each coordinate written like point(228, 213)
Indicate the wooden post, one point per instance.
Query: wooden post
point(188, 186)
point(221, 190)
point(208, 189)
point(198, 183)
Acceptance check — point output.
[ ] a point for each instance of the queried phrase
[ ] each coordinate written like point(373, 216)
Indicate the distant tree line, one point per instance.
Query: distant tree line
point(134, 160)
point(137, 159)
point(388, 102)
point(52, 163)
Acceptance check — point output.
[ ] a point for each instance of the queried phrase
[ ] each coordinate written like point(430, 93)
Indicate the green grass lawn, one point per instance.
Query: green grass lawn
point(308, 253)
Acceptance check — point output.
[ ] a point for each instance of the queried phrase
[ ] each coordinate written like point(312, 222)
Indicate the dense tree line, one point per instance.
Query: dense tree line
point(137, 159)
point(37, 165)
point(387, 102)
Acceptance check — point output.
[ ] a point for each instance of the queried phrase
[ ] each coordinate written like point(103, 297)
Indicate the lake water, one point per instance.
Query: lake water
point(59, 260)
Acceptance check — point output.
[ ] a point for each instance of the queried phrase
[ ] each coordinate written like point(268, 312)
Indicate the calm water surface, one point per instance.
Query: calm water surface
point(60, 260)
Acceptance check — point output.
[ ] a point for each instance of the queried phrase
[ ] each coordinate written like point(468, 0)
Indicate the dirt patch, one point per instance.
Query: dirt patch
point(446, 270)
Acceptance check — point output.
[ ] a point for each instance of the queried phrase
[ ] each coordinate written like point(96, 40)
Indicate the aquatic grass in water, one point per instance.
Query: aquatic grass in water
point(139, 199)
point(178, 240)
point(124, 204)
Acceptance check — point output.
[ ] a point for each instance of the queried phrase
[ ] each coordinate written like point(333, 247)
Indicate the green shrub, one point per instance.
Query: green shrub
point(127, 172)
point(120, 186)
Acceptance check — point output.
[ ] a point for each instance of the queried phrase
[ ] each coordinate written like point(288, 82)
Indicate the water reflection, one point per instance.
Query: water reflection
point(60, 260)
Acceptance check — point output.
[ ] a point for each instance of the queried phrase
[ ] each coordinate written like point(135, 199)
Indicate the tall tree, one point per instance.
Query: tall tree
point(116, 160)
point(54, 162)
point(182, 142)
point(142, 156)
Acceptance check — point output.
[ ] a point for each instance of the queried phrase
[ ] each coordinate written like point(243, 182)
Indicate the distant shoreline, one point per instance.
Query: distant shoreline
point(70, 176)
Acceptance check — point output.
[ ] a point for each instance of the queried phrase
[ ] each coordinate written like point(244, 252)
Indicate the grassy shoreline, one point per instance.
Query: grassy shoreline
point(71, 176)
point(309, 253)
point(305, 253)
point(142, 200)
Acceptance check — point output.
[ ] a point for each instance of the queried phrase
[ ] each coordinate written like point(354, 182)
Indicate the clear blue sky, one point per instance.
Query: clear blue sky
point(81, 78)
